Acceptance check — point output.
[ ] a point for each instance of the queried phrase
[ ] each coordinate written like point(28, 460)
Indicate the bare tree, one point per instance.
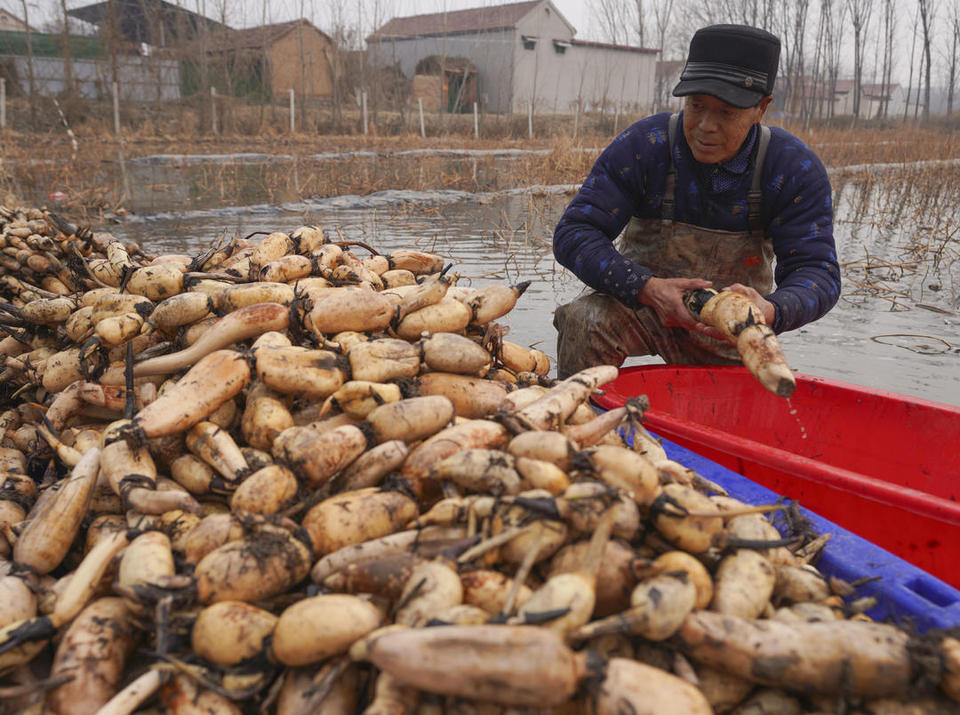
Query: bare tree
point(818, 84)
point(927, 9)
point(886, 73)
point(113, 42)
point(916, 102)
point(204, 57)
point(696, 14)
point(699, 14)
point(380, 12)
point(834, 45)
point(759, 13)
point(662, 12)
point(952, 58)
point(913, 47)
point(303, 68)
point(67, 60)
point(266, 91)
point(818, 90)
point(229, 62)
point(612, 18)
point(344, 38)
point(799, 28)
point(860, 13)
point(639, 24)
point(791, 26)
point(30, 77)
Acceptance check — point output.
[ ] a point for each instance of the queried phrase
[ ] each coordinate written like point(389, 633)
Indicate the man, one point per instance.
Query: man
point(708, 199)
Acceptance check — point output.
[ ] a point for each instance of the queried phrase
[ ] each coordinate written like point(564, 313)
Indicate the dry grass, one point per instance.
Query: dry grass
point(895, 144)
point(38, 165)
point(567, 162)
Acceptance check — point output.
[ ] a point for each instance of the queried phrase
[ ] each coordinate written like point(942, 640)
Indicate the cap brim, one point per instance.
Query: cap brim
point(739, 97)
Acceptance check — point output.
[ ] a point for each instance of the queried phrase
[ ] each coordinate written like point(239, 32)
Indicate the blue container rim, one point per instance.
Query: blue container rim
point(905, 594)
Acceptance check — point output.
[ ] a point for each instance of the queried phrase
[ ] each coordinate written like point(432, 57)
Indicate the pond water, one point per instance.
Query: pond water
point(897, 326)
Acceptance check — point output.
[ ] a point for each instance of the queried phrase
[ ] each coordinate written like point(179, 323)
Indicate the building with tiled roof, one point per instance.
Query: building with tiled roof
point(155, 22)
point(279, 57)
point(835, 98)
point(523, 54)
point(9, 21)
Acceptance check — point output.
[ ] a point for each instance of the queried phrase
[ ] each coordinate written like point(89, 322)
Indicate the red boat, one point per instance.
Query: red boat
point(882, 465)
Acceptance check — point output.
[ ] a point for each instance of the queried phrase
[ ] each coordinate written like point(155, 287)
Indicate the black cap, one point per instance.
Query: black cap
point(734, 63)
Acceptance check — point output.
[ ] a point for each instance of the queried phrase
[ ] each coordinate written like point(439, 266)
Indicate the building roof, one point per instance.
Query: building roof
point(255, 37)
point(15, 22)
point(142, 20)
point(879, 91)
point(608, 46)
point(819, 90)
point(480, 19)
point(842, 86)
point(826, 88)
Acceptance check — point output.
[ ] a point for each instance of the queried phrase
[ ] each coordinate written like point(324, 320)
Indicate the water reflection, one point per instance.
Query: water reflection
point(160, 183)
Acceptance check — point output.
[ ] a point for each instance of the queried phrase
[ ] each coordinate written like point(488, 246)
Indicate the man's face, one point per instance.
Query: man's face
point(714, 129)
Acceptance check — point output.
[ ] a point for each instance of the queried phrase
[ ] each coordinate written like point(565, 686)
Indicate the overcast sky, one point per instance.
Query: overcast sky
point(370, 14)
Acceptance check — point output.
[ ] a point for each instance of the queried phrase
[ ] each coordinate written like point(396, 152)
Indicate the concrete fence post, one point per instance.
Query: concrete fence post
point(3, 103)
point(213, 109)
point(423, 130)
point(116, 108)
point(476, 121)
point(292, 111)
point(530, 120)
point(366, 125)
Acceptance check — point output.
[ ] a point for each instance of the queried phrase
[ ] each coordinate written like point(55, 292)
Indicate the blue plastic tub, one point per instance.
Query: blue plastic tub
point(904, 593)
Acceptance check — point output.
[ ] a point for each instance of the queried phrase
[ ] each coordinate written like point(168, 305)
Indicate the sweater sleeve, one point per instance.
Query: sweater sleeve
point(807, 271)
point(613, 192)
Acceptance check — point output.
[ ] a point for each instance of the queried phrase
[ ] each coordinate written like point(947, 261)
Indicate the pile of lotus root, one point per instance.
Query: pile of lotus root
point(293, 475)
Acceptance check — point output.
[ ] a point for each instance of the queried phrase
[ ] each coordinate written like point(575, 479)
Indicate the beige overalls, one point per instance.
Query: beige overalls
point(597, 329)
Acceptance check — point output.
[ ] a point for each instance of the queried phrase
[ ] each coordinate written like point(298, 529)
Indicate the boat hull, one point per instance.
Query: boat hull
point(883, 465)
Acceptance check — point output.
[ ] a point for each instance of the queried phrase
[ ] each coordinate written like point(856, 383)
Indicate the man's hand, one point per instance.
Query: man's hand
point(665, 296)
point(767, 308)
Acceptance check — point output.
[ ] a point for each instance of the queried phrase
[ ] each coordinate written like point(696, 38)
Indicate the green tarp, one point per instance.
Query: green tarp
point(42, 45)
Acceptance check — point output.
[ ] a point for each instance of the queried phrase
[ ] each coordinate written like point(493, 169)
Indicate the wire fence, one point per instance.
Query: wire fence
point(115, 109)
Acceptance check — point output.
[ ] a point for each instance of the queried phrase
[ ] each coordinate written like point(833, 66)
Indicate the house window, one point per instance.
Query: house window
point(559, 46)
point(529, 42)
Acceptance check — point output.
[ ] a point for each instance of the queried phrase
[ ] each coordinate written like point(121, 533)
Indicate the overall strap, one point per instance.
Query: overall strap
point(669, 190)
point(754, 195)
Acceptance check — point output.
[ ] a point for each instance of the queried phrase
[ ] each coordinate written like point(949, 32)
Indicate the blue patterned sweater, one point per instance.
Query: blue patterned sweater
point(628, 180)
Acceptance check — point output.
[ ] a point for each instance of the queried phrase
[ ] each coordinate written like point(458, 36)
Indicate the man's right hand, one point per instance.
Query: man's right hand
point(665, 296)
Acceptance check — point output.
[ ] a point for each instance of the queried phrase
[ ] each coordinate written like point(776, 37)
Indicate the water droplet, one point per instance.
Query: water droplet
point(793, 411)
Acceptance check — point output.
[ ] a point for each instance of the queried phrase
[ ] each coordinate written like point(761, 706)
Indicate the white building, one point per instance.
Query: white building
point(9, 21)
point(523, 53)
